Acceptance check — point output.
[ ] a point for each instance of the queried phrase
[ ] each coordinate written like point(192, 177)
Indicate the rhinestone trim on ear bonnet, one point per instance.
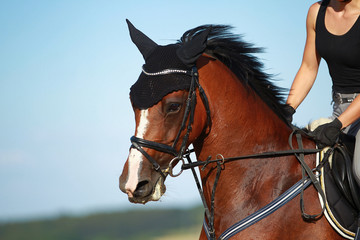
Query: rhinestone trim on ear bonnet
point(166, 69)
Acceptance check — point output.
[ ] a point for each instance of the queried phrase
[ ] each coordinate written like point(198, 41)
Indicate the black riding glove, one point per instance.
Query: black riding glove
point(289, 112)
point(327, 134)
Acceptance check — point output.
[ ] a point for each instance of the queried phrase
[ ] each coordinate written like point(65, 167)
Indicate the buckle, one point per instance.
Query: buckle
point(340, 100)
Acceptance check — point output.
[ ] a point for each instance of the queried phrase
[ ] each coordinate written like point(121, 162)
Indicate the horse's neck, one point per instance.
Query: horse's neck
point(240, 119)
point(242, 124)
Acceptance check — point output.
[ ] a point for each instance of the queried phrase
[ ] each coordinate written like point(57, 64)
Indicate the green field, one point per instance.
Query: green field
point(164, 224)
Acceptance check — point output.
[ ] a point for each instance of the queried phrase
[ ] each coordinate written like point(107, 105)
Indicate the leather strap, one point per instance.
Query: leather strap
point(314, 179)
point(153, 145)
point(151, 160)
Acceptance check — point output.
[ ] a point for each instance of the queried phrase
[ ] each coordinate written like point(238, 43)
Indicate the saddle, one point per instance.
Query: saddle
point(342, 192)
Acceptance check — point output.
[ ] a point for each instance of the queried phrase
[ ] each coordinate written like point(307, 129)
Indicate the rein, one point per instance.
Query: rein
point(297, 188)
point(188, 119)
point(258, 155)
point(270, 208)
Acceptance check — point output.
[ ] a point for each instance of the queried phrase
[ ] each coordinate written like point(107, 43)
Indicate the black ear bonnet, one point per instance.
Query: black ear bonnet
point(150, 89)
point(153, 83)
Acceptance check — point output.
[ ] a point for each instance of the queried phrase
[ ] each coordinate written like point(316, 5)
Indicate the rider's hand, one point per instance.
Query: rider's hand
point(289, 112)
point(327, 134)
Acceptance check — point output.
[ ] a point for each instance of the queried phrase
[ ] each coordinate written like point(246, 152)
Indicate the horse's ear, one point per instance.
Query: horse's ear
point(145, 45)
point(192, 49)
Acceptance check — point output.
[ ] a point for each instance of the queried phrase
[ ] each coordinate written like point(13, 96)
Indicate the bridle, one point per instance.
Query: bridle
point(188, 119)
point(309, 175)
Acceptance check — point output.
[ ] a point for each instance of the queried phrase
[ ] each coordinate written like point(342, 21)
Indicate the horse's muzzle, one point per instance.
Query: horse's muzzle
point(145, 191)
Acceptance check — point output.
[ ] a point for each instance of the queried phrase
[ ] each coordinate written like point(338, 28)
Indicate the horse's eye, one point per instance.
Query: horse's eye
point(173, 107)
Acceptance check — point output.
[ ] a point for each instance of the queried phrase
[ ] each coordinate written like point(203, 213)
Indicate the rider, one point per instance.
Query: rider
point(333, 33)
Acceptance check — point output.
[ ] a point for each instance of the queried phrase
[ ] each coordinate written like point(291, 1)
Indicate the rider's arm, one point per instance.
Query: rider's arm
point(306, 75)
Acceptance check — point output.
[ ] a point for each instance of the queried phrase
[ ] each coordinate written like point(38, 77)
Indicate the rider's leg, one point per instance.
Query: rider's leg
point(356, 161)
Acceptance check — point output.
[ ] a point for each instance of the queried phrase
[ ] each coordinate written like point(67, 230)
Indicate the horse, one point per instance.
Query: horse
point(209, 91)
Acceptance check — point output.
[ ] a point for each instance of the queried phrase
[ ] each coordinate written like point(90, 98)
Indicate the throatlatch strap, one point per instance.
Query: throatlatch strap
point(198, 185)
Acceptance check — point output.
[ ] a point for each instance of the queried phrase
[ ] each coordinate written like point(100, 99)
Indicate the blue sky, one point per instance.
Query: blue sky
point(65, 72)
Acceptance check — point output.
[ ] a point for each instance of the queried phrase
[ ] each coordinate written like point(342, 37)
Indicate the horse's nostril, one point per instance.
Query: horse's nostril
point(141, 185)
point(142, 189)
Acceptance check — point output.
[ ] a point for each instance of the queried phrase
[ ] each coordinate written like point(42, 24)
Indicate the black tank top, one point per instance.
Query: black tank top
point(341, 53)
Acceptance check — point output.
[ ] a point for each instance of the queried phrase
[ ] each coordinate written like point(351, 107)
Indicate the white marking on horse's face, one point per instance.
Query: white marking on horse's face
point(135, 157)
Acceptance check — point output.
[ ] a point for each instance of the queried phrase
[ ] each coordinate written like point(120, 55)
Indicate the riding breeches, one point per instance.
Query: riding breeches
point(339, 107)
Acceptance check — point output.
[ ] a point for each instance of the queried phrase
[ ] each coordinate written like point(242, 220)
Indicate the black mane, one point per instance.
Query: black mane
point(238, 56)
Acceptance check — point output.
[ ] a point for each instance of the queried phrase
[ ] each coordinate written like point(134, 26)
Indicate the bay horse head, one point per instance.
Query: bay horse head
point(163, 100)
